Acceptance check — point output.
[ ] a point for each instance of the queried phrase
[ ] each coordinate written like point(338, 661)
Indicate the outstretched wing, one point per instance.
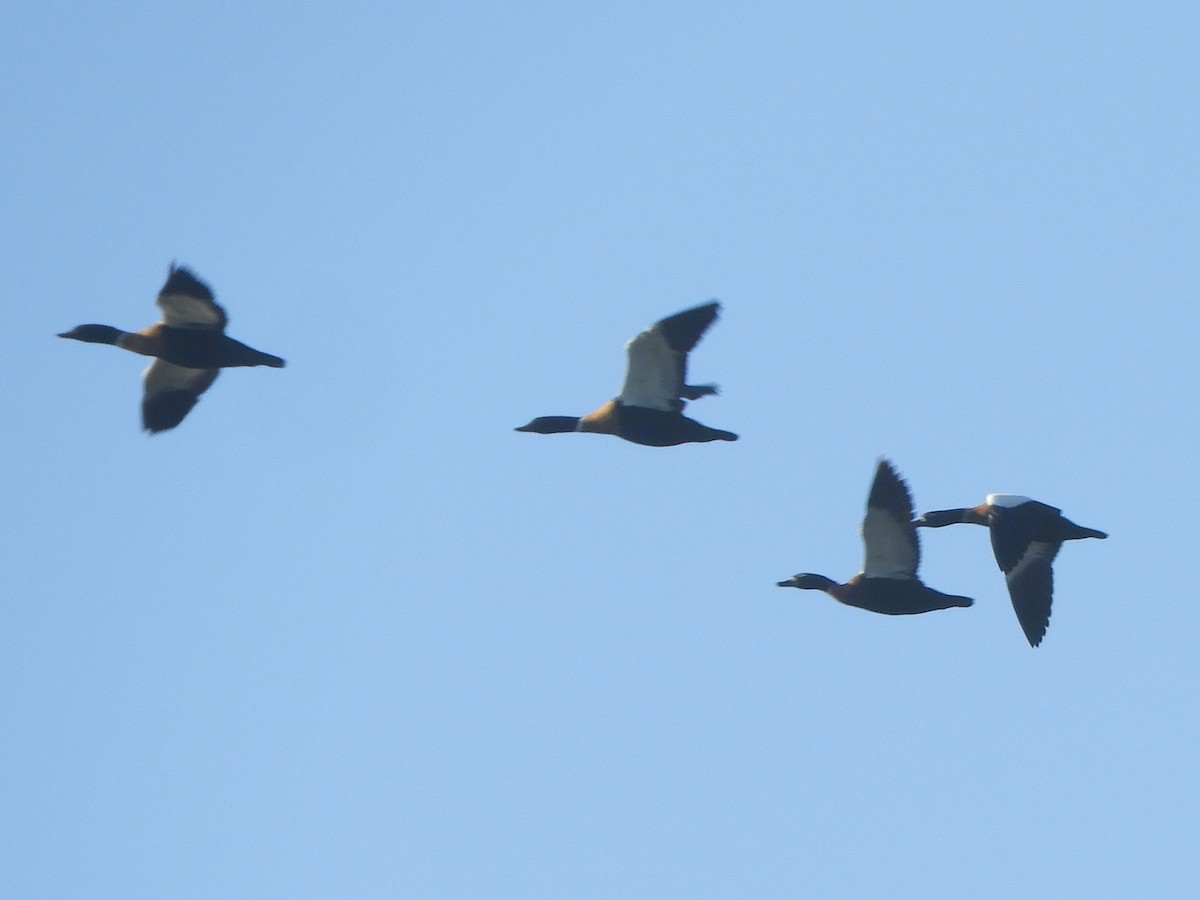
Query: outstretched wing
point(889, 537)
point(656, 371)
point(187, 302)
point(169, 392)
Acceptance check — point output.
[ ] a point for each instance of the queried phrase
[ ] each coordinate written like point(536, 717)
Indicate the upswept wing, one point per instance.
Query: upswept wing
point(656, 369)
point(892, 549)
point(187, 302)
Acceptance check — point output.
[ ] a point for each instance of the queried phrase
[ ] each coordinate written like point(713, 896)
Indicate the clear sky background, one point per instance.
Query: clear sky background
point(344, 633)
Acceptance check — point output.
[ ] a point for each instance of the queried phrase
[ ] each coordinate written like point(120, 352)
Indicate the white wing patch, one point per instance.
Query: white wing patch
point(1006, 501)
point(184, 311)
point(889, 544)
point(654, 373)
point(163, 376)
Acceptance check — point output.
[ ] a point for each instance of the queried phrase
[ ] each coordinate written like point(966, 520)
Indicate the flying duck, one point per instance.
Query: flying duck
point(189, 345)
point(649, 409)
point(888, 582)
point(1026, 536)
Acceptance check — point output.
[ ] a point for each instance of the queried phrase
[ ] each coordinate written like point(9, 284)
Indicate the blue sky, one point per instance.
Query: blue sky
point(345, 633)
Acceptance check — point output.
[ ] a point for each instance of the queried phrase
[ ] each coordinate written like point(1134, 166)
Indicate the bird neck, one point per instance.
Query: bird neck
point(942, 517)
point(137, 343)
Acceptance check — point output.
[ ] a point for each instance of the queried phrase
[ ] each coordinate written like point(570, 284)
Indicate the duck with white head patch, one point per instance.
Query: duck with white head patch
point(1026, 537)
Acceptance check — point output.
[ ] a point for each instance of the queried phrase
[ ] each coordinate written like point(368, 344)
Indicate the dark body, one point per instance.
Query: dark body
point(649, 409)
point(1026, 536)
point(888, 583)
point(189, 347)
point(893, 596)
point(195, 348)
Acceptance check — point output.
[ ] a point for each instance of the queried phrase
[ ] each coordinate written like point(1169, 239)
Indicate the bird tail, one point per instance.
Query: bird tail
point(1078, 532)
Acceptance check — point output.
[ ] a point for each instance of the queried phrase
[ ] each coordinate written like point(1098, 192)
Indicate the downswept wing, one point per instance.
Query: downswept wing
point(1031, 588)
point(187, 302)
point(656, 369)
point(892, 549)
point(1014, 528)
point(169, 392)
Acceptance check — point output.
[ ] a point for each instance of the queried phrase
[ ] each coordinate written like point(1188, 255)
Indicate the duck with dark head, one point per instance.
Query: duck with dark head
point(888, 582)
point(189, 347)
point(649, 409)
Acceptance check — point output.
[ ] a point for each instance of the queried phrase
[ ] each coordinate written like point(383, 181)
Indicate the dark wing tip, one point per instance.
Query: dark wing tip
point(164, 411)
point(1032, 593)
point(889, 491)
point(181, 280)
point(683, 330)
